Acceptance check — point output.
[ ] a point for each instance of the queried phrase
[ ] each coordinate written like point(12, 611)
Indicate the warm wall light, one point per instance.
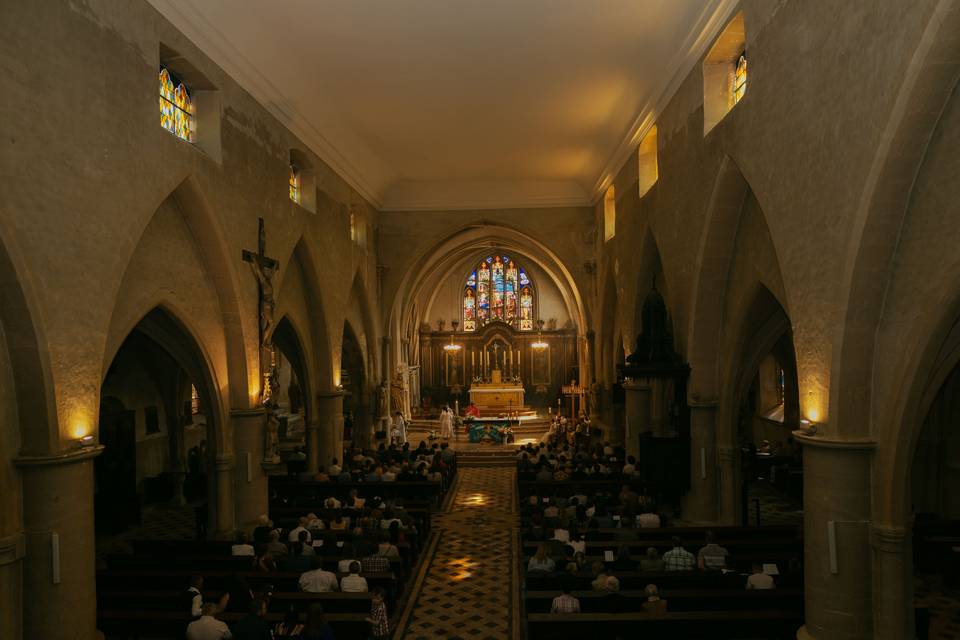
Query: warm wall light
point(85, 441)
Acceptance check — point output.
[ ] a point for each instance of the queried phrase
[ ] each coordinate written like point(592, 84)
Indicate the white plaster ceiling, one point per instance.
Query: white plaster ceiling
point(453, 104)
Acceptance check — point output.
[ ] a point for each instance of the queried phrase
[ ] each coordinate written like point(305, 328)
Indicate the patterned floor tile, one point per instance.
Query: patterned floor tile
point(468, 588)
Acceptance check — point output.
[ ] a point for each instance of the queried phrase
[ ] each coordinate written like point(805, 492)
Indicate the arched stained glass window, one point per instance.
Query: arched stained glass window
point(294, 184)
point(740, 79)
point(498, 289)
point(176, 107)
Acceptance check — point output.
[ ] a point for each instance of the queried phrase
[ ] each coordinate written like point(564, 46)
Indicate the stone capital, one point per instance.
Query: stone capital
point(224, 461)
point(248, 413)
point(79, 454)
point(828, 442)
point(12, 548)
point(329, 394)
point(888, 539)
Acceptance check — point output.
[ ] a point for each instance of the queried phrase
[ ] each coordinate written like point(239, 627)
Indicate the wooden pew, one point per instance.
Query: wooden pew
point(171, 624)
point(280, 601)
point(730, 599)
point(713, 625)
point(637, 580)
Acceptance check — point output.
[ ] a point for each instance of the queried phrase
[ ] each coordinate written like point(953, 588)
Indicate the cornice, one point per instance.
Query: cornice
point(67, 457)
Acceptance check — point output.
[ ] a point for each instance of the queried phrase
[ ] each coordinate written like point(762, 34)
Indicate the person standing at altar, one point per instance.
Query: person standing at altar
point(446, 423)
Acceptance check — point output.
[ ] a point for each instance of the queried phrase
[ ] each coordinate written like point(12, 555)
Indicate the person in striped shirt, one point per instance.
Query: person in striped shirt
point(678, 558)
point(565, 603)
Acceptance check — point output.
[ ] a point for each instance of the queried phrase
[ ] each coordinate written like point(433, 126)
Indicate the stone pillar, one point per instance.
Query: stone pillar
point(384, 411)
point(637, 415)
point(11, 586)
point(700, 503)
point(249, 445)
point(224, 509)
point(893, 578)
point(313, 444)
point(59, 567)
point(728, 461)
point(330, 434)
point(838, 567)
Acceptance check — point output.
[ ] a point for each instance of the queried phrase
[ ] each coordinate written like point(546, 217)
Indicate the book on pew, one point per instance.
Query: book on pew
point(608, 556)
point(770, 569)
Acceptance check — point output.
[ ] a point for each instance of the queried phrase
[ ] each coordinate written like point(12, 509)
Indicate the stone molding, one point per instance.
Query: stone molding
point(704, 404)
point(727, 454)
point(12, 548)
point(826, 442)
point(334, 393)
point(76, 455)
point(888, 539)
point(313, 425)
point(223, 461)
point(248, 413)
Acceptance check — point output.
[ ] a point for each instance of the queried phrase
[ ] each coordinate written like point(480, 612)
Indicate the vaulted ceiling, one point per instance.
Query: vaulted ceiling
point(451, 104)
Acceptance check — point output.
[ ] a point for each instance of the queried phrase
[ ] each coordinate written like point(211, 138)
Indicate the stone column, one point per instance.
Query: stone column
point(728, 461)
point(637, 415)
point(59, 568)
point(384, 418)
point(249, 445)
point(700, 503)
point(11, 586)
point(313, 443)
point(224, 509)
point(838, 567)
point(330, 434)
point(893, 579)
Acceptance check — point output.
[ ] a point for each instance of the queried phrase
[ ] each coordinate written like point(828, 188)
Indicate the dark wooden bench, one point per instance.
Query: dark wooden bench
point(677, 600)
point(294, 491)
point(171, 624)
point(769, 625)
point(280, 601)
point(113, 579)
point(636, 580)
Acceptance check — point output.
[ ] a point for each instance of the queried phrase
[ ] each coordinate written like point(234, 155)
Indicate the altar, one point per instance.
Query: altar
point(497, 396)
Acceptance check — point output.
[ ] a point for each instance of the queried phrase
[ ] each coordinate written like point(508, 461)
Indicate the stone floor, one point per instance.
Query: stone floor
point(467, 587)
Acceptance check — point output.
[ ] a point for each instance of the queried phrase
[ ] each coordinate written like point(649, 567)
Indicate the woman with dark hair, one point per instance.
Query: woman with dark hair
point(317, 627)
point(290, 628)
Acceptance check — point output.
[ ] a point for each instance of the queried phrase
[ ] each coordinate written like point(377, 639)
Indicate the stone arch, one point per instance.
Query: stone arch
point(930, 78)
point(649, 270)
point(610, 330)
point(712, 266)
point(167, 327)
point(289, 339)
point(435, 262)
point(29, 360)
point(211, 241)
point(323, 363)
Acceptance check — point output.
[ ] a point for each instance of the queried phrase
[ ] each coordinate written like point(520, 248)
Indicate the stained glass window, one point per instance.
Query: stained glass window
point(176, 107)
point(740, 79)
point(294, 184)
point(498, 289)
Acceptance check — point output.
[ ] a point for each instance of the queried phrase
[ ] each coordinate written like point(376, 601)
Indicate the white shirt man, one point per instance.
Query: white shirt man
point(760, 580)
point(295, 532)
point(649, 521)
point(334, 469)
point(354, 583)
point(318, 581)
point(208, 627)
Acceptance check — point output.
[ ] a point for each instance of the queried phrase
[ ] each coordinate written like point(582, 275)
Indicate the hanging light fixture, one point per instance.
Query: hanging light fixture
point(540, 343)
point(453, 347)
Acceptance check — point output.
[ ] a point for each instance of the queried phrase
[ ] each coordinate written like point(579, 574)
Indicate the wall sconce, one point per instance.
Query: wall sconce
point(84, 442)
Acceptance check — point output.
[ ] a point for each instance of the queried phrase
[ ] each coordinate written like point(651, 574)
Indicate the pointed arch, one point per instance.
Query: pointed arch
point(714, 257)
point(323, 363)
point(931, 77)
point(29, 358)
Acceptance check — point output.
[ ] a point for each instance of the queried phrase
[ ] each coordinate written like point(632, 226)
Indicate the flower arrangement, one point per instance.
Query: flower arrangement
point(433, 435)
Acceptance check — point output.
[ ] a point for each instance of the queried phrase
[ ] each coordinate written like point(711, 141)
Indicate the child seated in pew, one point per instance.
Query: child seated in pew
point(654, 604)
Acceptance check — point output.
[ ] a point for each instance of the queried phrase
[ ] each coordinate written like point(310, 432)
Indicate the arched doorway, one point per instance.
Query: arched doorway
point(157, 425)
point(353, 381)
point(767, 411)
point(294, 402)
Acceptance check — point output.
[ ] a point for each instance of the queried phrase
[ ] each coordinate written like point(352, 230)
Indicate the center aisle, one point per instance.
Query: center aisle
point(469, 587)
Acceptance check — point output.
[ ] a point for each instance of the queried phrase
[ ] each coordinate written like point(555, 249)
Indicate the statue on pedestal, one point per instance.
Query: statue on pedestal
point(271, 445)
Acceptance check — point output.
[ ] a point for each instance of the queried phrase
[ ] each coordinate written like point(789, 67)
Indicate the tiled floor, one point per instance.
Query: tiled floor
point(943, 603)
point(467, 588)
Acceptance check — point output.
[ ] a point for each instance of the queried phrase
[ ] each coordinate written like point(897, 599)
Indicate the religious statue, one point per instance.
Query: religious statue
point(396, 393)
point(271, 447)
point(383, 398)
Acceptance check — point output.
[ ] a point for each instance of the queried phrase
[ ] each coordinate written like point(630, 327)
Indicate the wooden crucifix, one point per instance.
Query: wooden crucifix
point(264, 269)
